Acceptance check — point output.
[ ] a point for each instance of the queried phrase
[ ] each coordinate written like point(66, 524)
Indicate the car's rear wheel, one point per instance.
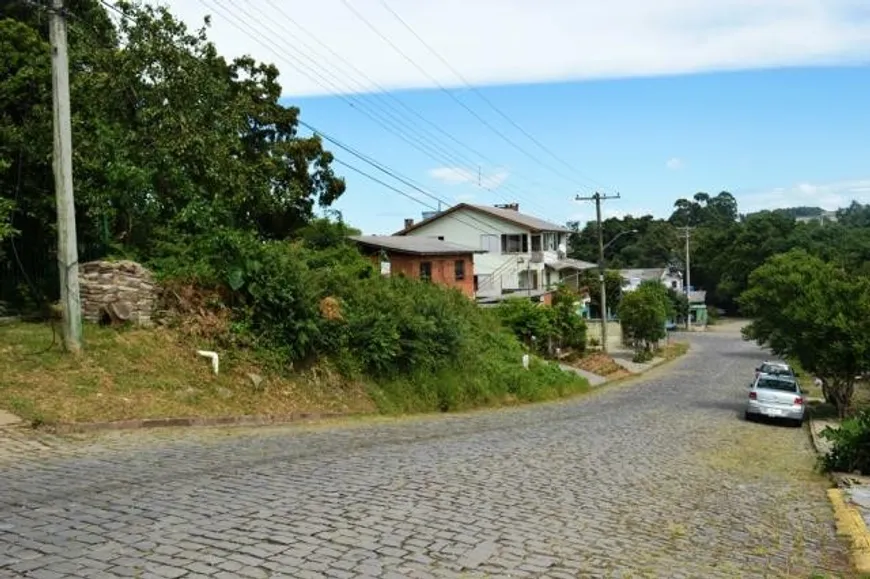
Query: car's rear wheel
point(748, 417)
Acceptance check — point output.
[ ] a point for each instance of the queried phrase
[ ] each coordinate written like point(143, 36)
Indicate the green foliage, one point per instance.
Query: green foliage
point(543, 328)
point(850, 445)
point(643, 314)
point(725, 246)
point(423, 346)
point(170, 138)
point(588, 280)
point(530, 322)
point(815, 312)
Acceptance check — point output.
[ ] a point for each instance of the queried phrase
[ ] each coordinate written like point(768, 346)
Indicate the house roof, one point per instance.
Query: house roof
point(515, 217)
point(643, 274)
point(413, 245)
point(569, 263)
point(697, 297)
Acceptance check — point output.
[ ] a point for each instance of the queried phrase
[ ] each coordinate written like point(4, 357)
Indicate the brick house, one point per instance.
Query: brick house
point(440, 262)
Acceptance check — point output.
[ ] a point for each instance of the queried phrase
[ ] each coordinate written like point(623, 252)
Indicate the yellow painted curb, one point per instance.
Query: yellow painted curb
point(850, 524)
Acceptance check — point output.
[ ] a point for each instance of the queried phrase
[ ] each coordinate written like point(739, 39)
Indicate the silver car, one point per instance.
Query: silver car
point(776, 396)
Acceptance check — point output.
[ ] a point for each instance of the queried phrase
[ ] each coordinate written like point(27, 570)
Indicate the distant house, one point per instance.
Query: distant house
point(669, 278)
point(520, 253)
point(440, 262)
point(698, 307)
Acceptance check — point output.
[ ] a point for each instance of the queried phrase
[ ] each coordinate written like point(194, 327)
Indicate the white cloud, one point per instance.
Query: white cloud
point(458, 175)
point(511, 41)
point(828, 196)
point(675, 163)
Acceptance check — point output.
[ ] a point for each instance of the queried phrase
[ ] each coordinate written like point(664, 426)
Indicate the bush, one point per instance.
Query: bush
point(850, 450)
point(420, 346)
point(542, 328)
point(643, 314)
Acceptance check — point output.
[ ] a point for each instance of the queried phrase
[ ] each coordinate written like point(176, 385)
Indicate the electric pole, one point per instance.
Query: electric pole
point(67, 250)
point(687, 232)
point(598, 198)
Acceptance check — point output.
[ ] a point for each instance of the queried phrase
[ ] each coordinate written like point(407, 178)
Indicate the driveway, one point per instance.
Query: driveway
point(656, 478)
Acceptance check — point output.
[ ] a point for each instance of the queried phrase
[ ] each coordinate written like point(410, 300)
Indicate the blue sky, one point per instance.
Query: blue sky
point(656, 100)
point(772, 137)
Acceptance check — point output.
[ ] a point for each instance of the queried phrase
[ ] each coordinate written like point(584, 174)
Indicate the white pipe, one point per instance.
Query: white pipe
point(213, 356)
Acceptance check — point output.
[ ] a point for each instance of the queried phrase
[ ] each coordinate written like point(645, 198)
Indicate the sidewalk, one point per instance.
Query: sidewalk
point(621, 357)
point(850, 500)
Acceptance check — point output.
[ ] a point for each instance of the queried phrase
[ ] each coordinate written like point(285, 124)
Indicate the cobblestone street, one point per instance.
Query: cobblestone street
point(659, 477)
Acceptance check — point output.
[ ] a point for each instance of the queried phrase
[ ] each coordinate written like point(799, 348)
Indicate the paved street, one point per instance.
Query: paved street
point(658, 478)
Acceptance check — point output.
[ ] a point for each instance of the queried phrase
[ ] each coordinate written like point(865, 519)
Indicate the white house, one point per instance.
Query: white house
point(669, 278)
point(522, 252)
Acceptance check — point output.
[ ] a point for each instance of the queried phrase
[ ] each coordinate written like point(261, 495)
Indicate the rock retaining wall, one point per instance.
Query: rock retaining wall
point(117, 291)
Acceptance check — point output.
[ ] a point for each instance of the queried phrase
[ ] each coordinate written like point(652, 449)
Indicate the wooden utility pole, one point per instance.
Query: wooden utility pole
point(687, 232)
point(67, 250)
point(598, 198)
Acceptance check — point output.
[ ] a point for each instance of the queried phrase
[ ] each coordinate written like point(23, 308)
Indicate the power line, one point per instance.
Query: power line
point(369, 160)
point(316, 69)
point(395, 175)
point(453, 97)
point(483, 97)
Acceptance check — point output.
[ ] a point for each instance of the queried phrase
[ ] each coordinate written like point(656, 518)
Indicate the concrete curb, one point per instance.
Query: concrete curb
point(848, 519)
point(251, 420)
point(850, 524)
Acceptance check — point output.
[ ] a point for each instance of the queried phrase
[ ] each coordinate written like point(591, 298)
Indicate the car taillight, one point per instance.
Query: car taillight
point(753, 396)
point(799, 401)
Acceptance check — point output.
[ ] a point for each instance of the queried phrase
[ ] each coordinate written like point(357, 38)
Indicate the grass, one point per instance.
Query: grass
point(674, 350)
point(156, 373)
point(138, 373)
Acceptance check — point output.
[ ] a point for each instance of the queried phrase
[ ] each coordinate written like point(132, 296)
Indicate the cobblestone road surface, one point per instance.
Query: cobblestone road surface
point(657, 478)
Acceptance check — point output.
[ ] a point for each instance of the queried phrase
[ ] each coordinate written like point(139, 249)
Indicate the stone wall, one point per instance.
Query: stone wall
point(117, 291)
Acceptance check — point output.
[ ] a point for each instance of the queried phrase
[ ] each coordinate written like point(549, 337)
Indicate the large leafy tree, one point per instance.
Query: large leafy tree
point(816, 312)
point(170, 139)
point(643, 314)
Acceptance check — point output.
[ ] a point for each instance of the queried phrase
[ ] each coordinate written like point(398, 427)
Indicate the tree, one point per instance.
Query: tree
point(569, 329)
point(171, 140)
point(588, 280)
point(814, 311)
point(643, 314)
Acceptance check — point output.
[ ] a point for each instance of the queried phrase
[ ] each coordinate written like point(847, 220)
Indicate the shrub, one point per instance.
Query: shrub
point(419, 346)
point(542, 327)
point(643, 314)
point(850, 449)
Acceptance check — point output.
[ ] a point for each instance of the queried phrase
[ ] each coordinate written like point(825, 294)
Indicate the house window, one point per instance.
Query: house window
point(459, 269)
point(440, 238)
point(490, 243)
point(514, 243)
point(426, 270)
point(674, 284)
point(550, 241)
point(536, 243)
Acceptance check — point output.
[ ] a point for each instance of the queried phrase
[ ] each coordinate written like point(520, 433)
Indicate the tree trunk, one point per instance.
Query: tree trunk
point(841, 392)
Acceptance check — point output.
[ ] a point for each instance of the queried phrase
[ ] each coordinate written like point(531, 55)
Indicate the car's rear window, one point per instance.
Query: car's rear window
point(781, 385)
point(776, 370)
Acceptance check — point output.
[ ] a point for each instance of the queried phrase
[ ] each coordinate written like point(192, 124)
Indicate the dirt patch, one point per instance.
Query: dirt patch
point(600, 364)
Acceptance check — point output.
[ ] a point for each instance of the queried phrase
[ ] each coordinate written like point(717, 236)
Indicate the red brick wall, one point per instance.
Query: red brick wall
point(443, 269)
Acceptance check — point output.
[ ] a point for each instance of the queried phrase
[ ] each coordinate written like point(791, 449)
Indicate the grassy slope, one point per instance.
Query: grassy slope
point(138, 373)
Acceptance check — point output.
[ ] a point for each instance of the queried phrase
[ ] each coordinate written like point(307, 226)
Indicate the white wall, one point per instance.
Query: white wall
point(474, 229)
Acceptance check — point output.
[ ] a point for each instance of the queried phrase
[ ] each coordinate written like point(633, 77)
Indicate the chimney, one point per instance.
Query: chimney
point(409, 222)
point(510, 206)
